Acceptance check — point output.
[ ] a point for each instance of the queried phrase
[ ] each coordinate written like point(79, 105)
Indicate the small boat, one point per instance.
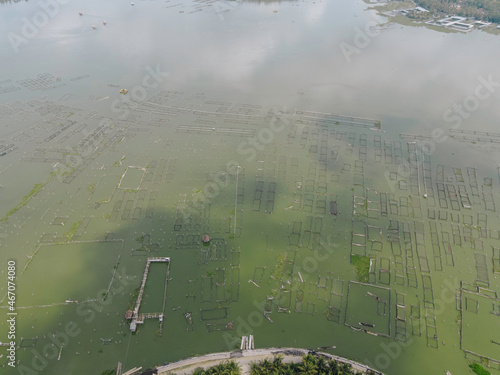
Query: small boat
point(3, 153)
point(123, 91)
point(367, 325)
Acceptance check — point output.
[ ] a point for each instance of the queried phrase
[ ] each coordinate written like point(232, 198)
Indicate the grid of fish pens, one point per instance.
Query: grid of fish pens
point(335, 301)
point(400, 325)
point(478, 303)
point(368, 309)
point(285, 291)
point(235, 275)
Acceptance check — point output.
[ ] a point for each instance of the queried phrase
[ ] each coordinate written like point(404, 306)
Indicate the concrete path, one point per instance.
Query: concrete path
point(244, 358)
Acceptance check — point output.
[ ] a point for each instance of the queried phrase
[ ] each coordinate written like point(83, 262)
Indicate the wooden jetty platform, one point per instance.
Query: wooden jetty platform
point(141, 317)
point(60, 353)
point(133, 371)
point(247, 343)
point(244, 343)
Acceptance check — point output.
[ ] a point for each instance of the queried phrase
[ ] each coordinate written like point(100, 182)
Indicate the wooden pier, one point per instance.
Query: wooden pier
point(244, 343)
point(60, 353)
point(247, 343)
point(133, 371)
point(139, 319)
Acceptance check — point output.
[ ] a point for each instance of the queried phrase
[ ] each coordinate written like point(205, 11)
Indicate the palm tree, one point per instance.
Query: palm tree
point(216, 370)
point(322, 366)
point(295, 367)
point(254, 368)
point(232, 368)
point(222, 368)
point(333, 367)
point(345, 369)
point(278, 363)
point(308, 365)
point(267, 366)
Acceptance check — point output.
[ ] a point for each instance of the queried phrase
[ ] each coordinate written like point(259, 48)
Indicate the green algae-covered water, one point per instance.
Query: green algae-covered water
point(346, 171)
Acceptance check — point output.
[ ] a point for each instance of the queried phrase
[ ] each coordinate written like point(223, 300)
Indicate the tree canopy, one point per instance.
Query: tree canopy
point(310, 365)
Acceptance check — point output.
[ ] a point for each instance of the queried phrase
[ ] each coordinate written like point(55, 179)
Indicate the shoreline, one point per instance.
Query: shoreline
point(245, 357)
point(398, 12)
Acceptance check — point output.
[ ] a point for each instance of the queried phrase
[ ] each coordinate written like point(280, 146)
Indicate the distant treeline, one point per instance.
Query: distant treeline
point(486, 10)
point(11, 1)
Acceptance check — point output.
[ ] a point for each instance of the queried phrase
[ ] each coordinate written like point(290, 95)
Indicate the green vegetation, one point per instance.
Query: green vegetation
point(118, 163)
point(280, 266)
point(133, 297)
point(69, 234)
point(144, 246)
point(309, 365)
point(69, 171)
point(478, 369)
point(226, 368)
point(486, 10)
point(362, 264)
point(36, 189)
point(492, 29)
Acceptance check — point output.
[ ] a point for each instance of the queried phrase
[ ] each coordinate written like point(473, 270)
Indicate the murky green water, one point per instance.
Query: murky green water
point(229, 129)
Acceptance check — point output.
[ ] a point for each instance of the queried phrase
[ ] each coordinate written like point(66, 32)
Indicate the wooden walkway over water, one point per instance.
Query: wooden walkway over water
point(139, 319)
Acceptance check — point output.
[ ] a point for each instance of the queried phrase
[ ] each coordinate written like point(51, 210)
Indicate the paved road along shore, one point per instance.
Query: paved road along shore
point(245, 357)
